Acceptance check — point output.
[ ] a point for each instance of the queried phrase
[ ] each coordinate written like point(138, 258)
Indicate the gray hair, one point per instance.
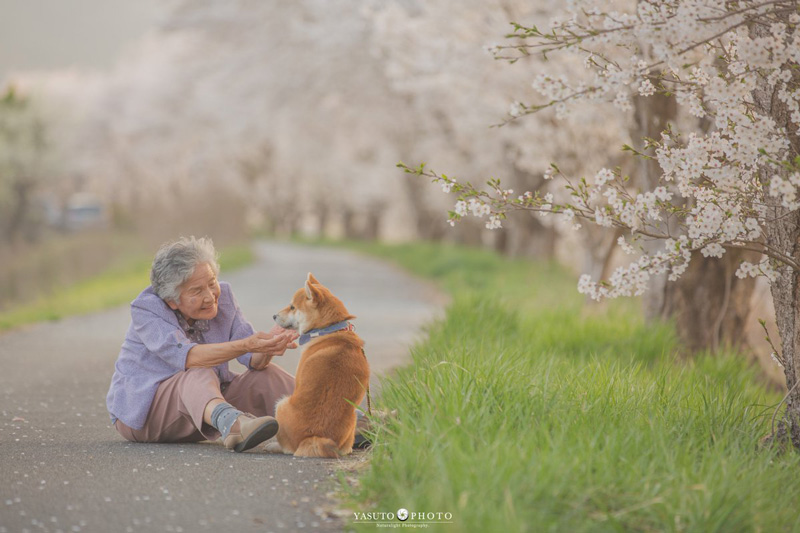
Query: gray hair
point(175, 263)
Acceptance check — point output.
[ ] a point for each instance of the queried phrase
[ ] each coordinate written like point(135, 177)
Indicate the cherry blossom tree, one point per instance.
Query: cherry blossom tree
point(730, 187)
point(434, 53)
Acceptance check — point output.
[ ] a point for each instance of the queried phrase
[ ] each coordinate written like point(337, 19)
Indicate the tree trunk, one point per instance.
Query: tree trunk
point(708, 303)
point(502, 242)
point(783, 232)
point(430, 226)
point(21, 190)
point(599, 247)
point(348, 223)
point(469, 232)
point(372, 231)
point(527, 236)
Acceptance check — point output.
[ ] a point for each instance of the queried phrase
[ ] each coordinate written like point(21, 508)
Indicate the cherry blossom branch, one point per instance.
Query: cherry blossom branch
point(744, 10)
point(499, 205)
point(715, 36)
point(783, 258)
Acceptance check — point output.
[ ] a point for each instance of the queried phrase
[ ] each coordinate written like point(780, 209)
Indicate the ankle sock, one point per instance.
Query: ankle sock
point(223, 416)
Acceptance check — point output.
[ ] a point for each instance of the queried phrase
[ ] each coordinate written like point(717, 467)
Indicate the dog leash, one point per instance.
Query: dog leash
point(369, 398)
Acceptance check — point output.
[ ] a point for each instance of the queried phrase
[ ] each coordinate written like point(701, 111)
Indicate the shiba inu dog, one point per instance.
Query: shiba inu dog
point(319, 418)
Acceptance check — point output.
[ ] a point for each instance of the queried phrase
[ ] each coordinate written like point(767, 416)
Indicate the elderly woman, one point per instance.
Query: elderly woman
point(172, 382)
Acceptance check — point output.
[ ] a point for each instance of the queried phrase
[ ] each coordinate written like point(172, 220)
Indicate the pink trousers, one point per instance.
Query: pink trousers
point(176, 414)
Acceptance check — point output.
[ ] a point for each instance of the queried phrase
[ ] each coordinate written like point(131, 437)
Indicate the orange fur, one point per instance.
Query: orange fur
point(319, 418)
point(317, 447)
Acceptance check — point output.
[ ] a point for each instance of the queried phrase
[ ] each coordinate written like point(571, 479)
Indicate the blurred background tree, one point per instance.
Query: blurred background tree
point(24, 168)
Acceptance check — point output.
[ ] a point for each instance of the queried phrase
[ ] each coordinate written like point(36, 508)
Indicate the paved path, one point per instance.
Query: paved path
point(64, 468)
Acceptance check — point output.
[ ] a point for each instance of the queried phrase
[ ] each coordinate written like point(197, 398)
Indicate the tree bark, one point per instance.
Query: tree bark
point(784, 233)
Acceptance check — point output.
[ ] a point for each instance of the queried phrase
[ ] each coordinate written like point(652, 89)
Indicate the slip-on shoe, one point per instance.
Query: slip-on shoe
point(252, 432)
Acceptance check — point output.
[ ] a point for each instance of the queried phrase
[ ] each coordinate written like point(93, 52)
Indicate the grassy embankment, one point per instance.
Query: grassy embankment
point(524, 410)
point(117, 285)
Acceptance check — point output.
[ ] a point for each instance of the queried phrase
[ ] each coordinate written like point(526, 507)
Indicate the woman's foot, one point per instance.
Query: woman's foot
point(249, 431)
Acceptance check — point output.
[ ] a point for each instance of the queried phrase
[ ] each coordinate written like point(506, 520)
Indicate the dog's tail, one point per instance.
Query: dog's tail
point(317, 447)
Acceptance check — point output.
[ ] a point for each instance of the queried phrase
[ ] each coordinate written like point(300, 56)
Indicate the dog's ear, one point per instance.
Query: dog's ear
point(312, 292)
point(312, 280)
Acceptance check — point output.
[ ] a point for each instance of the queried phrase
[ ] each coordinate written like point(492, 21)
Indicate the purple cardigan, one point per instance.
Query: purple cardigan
point(155, 349)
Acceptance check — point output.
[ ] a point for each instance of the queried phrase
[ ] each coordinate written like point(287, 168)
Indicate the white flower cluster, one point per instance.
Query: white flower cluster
point(478, 208)
point(702, 52)
point(494, 222)
point(632, 280)
point(625, 245)
point(554, 88)
point(763, 268)
point(786, 190)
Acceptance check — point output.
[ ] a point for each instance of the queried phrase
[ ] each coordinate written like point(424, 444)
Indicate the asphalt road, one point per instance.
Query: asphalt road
point(64, 468)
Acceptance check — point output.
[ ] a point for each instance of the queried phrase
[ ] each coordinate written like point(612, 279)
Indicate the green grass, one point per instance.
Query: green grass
point(115, 286)
point(525, 411)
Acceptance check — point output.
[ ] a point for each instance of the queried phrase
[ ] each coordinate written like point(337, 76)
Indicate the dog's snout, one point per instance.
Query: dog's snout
point(274, 317)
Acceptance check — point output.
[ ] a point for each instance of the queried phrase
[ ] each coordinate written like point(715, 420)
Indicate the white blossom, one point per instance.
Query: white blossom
point(646, 88)
point(713, 250)
point(603, 176)
point(625, 245)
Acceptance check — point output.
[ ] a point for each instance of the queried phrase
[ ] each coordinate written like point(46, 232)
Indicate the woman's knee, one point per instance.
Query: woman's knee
point(200, 372)
point(273, 382)
point(127, 433)
point(276, 377)
point(201, 376)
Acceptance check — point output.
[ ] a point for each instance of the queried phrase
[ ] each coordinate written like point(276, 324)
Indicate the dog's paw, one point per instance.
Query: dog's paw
point(272, 446)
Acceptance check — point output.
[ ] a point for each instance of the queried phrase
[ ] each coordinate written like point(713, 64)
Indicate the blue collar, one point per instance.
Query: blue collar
point(333, 328)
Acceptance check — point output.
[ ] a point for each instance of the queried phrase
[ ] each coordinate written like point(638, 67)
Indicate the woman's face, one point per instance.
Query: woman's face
point(199, 295)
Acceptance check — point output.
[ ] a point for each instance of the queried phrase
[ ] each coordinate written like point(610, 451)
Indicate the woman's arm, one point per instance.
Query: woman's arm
point(211, 355)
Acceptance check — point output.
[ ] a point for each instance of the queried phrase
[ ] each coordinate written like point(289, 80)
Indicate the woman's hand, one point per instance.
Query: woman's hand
point(264, 346)
point(292, 334)
point(267, 343)
point(277, 330)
